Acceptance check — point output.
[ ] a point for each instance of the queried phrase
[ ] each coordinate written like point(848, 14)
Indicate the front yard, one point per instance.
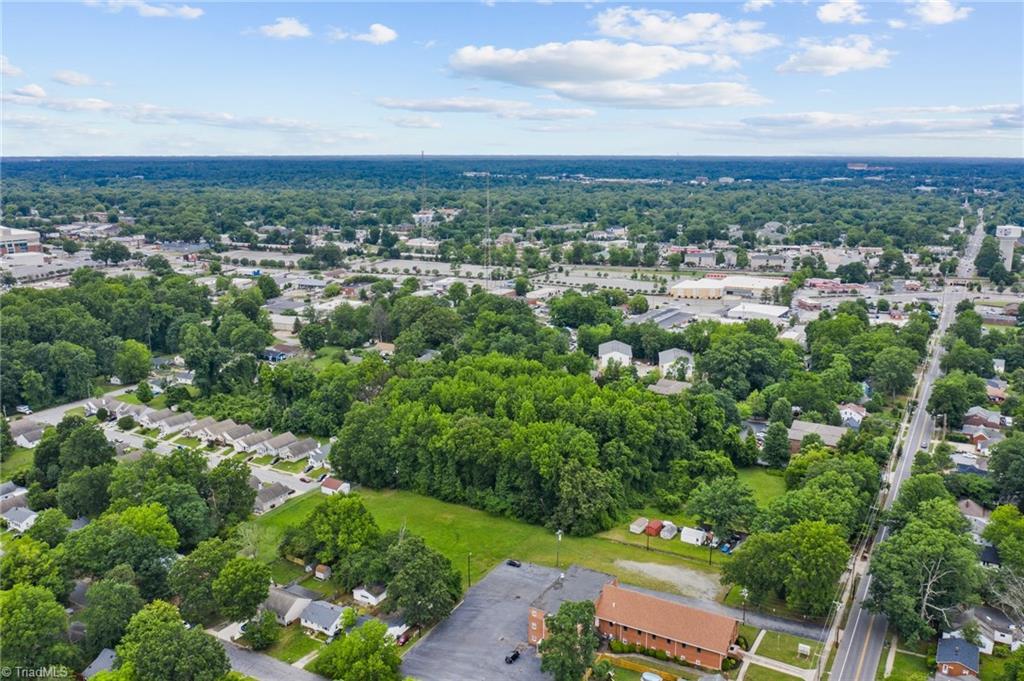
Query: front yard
point(293, 645)
point(783, 647)
point(291, 466)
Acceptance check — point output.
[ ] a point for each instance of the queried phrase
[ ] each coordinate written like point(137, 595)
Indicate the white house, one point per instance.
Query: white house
point(12, 495)
point(249, 442)
point(151, 418)
point(176, 422)
point(672, 360)
point(232, 435)
point(286, 606)
point(331, 486)
point(322, 617)
point(26, 433)
point(614, 351)
point(852, 415)
point(372, 595)
point(199, 427)
point(299, 449)
point(270, 496)
point(19, 518)
point(276, 443)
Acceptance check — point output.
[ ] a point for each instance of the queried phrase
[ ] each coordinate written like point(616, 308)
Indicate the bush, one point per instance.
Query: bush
point(730, 663)
point(102, 414)
point(126, 423)
point(262, 631)
point(666, 502)
point(1001, 650)
point(661, 654)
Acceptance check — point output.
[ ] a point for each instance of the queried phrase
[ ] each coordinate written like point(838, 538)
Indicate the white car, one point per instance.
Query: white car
point(23, 409)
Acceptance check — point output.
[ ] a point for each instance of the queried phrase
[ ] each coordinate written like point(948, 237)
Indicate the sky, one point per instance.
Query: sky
point(760, 77)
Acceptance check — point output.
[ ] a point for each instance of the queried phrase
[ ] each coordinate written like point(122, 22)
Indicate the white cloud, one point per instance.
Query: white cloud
point(41, 101)
point(31, 90)
point(629, 95)
point(51, 125)
point(955, 109)
point(823, 124)
point(938, 11)
point(425, 122)
point(842, 12)
point(379, 34)
point(9, 69)
point(896, 23)
point(852, 53)
point(285, 28)
point(145, 9)
point(73, 78)
point(503, 108)
point(700, 30)
point(757, 5)
point(575, 61)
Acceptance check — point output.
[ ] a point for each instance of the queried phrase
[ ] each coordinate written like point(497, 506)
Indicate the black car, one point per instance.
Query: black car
point(513, 563)
point(509, 659)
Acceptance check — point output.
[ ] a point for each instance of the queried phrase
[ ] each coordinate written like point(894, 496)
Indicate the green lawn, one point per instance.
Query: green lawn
point(316, 473)
point(758, 673)
point(191, 442)
point(772, 605)
point(293, 645)
point(991, 667)
point(326, 356)
point(904, 665)
point(158, 402)
point(291, 466)
point(749, 632)
point(284, 572)
point(21, 457)
point(766, 484)
point(78, 411)
point(700, 555)
point(458, 531)
point(262, 460)
point(782, 647)
point(148, 432)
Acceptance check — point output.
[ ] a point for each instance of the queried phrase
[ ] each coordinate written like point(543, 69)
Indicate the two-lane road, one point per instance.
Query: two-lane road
point(860, 647)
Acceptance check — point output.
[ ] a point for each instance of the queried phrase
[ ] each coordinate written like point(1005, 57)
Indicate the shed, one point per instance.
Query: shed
point(691, 535)
point(638, 526)
point(654, 527)
point(322, 572)
point(669, 530)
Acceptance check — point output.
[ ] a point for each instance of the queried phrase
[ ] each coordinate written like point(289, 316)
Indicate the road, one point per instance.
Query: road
point(966, 267)
point(860, 647)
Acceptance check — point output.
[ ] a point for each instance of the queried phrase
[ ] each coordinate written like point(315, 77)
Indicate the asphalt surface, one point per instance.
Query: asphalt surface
point(264, 667)
point(966, 267)
point(860, 647)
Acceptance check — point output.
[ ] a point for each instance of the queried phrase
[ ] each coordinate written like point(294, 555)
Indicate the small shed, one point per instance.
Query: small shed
point(654, 527)
point(322, 572)
point(669, 530)
point(691, 535)
point(638, 526)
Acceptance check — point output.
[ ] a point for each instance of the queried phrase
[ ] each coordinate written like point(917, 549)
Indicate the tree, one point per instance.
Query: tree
point(425, 585)
point(915, 491)
point(262, 631)
point(243, 583)
point(988, 256)
point(567, 652)
point(159, 265)
point(1007, 468)
point(84, 447)
point(726, 504)
point(132, 361)
point(191, 578)
point(923, 572)
point(51, 527)
point(70, 247)
point(28, 561)
point(84, 492)
point(342, 525)
point(953, 394)
point(126, 422)
point(231, 498)
point(638, 304)
point(782, 412)
point(853, 273)
point(156, 645)
point(1006, 532)
point(313, 336)
point(112, 603)
point(144, 392)
point(522, 286)
point(110, 252)
point(892, 370)
point(776, 445)
point(35, 629)
point(366, 653)
point(268, 287)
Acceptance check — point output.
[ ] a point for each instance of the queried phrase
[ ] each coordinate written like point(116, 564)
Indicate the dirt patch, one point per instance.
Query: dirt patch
point(685, 580)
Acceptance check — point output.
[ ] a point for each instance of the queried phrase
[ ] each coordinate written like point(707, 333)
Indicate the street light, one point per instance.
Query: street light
point(558, 547)
point(746, 594)
point(469, 576)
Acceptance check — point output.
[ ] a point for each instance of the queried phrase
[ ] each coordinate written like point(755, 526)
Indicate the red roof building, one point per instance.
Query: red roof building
point(654, 527)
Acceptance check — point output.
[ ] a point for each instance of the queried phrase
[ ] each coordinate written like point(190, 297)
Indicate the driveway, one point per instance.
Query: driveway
point(264, 667)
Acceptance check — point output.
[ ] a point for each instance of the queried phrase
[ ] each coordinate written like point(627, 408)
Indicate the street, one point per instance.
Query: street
point(966, 267)
point(861, 643)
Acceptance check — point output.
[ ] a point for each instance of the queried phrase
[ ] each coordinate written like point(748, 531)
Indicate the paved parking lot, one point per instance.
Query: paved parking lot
point(491, 622)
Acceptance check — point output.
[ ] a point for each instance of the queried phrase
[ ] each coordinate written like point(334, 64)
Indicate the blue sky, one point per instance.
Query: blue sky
point(119, 77)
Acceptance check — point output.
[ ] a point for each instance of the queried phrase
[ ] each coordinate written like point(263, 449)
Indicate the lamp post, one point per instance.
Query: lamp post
point(469, 575)
point(558, 549)
point(746, 594)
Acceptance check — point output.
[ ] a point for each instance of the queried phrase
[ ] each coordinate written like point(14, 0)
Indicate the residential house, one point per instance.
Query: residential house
point(175, 422)
point(299, 450)
point(19, 518)
point(151, 418)
point(977, 515)
point(215, 432)
point(852, 415)
point(196, 429)
point(614, 351)
point(331, 486)
point(94, 405)
point(26, 433)
point(104, 662)
point(271, 496)
point(673, 363)
point(275, 444)
point(996, 394)
point(322, 617)
point(958, 658)
point(12, 495)
point(998, 627)
point(287, 607)
point(370, 595)
point(698, 637)
point(979, 416)
point(830, 435)
point(396, 625)
point(249, 442)
point(990, 557)
point(318, 458)
point(231, 436)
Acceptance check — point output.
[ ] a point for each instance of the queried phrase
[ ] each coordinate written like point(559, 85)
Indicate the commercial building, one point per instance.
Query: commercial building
point(575, 584)
point(773, 313)
point(830, 435)
point(19, 241)
point(714, 288)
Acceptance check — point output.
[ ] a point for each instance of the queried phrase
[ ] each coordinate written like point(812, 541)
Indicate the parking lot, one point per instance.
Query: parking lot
point(489, 624)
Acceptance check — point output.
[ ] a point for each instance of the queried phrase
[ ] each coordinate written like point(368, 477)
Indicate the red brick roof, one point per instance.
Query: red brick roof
point(668, 619)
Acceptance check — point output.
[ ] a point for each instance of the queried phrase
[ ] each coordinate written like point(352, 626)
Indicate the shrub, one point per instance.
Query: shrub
point(730, 663)
point(126, 423)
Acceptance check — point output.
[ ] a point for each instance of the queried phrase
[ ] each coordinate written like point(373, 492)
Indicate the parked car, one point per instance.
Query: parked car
point(303, 478)
point(23, 409)
point(512, 657)
point(323, 476)
point(407, 636)
point(513, 563)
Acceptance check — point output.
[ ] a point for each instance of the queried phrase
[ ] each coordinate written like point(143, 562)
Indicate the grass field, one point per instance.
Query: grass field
point(291, 466)
point(759, 673)
point(766, 484)
point(326, 355)
point(158, 402)
point(186, 441)
point(783, 647)
point(991, 667)
point(772, 605)
point(20, 458)
point(293, 645)
point(460, 532)
point(904, 665)
point(262, 460)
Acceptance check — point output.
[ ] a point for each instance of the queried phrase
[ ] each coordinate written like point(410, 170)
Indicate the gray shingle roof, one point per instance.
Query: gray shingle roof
point(959, 651)
point(323, 614)
point(614, 346)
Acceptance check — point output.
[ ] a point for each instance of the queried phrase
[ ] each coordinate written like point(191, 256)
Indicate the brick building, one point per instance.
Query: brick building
point(575, 584)
point(698, 637)
point(19, 241)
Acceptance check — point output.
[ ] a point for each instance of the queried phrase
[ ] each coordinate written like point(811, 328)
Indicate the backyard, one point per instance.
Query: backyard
point(767, 484)
point(20, 458)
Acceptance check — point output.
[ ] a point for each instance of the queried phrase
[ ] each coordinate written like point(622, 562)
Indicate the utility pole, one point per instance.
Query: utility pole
point(469, 574)
point(558, 549)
